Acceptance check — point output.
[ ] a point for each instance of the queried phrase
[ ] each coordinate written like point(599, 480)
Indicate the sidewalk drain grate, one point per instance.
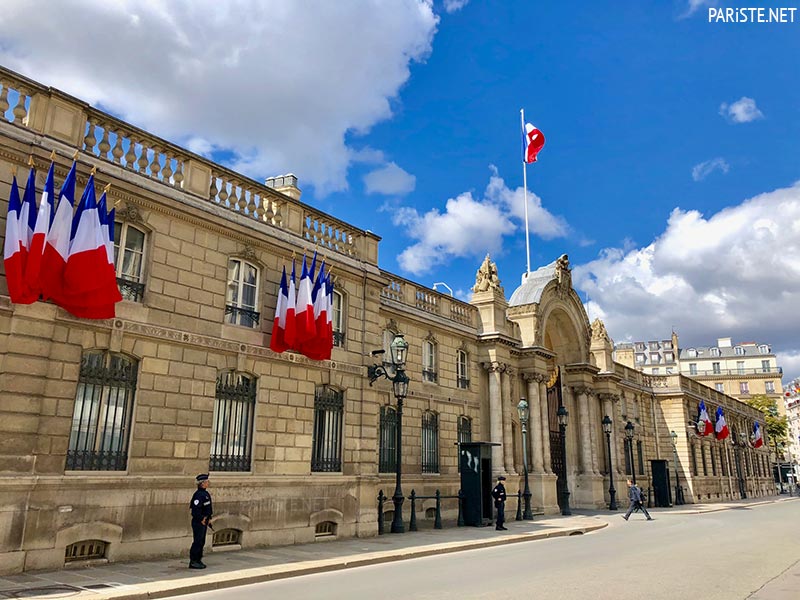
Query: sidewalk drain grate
point(49, 591)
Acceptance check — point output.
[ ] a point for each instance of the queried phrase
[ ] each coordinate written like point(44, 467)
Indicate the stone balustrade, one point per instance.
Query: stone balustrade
point(430, 301)
point(48, 111)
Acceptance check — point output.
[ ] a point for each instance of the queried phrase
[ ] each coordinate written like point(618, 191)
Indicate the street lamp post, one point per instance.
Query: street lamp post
point(399, 379)
point(524, 413)
point(612, 493)
point(563, 415)
point(629, 429)
point(674, 437)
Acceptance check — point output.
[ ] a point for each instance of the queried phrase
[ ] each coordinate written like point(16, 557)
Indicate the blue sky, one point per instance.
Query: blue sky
point(670, 171)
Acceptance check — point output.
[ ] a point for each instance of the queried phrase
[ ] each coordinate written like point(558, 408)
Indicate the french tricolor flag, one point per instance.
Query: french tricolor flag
point(38, 236)
point(90, 286)
point(56, 247)
point(304, 313)
point(703, 418)
point(532, 142)
point(14, 253)
point(721, 427)
point(277, 342)
point(758, 438)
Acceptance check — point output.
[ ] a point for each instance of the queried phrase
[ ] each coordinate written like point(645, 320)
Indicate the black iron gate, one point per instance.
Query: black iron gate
point(554, 400)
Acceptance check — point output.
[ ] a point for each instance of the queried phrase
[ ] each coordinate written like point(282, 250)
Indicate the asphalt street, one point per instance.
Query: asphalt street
point(731, 554)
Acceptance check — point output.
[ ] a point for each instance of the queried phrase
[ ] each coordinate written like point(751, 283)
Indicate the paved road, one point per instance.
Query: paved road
point(731, 554)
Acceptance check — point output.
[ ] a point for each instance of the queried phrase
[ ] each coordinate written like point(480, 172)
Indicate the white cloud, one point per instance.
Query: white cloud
point(694, 5)
point(743, 110)
point(390, 180)
point(451, 6)
point(471, 226)
point(272, 83)
point(790, 362)
point(736, 273)
point(704, 169)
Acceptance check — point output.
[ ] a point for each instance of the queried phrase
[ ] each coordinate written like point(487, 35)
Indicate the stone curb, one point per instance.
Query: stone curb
point(217, 581)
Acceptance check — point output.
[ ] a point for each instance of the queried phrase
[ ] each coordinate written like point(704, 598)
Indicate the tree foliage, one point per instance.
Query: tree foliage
point(777, 427)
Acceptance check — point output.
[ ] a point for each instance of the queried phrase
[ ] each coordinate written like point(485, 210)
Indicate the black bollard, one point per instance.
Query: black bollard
point(381, 499)
point(460, 508)
point(437, 521)
point(519, 506)
point(412, 525)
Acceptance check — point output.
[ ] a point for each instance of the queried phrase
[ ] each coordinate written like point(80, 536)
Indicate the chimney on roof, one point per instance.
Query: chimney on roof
point(724, 342)
point(285, 184)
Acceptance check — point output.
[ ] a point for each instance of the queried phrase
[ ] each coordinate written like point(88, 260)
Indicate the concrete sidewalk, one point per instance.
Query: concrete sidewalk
point(171, 577)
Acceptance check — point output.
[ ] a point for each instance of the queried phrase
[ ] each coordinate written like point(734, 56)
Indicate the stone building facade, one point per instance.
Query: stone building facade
point(104, 424)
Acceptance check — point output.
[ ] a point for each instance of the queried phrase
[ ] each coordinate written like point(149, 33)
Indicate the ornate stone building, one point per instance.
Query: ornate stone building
point(104, 424)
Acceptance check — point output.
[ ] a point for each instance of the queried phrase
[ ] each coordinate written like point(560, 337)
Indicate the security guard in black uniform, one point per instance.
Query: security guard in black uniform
point(201, 520)
point(499, 495)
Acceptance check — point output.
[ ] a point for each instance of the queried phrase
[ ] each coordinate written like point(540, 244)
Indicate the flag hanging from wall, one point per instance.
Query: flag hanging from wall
point(702, 417)
point(720, 426)
point(758, 437)
point(14, 250)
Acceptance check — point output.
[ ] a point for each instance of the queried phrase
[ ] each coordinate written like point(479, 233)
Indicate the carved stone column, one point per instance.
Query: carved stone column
point(508, 435)
point(545, 423)
point(495, 415)
point(534, 425)
point(580, 394)
point(594, 423)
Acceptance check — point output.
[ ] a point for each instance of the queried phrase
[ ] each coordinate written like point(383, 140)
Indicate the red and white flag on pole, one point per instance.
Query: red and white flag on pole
point(532, 143)
point(38, 239)
point(702, 417)
point(56, 247)
point(721, 427)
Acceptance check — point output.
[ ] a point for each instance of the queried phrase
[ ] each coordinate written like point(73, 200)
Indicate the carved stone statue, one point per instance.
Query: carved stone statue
point(599, 332)
point(486, 278)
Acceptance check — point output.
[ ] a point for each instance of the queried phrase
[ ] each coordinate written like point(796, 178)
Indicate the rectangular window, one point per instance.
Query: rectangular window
point(654, 357)
point(744, 387)
point(326, 445)
point(464, 433)
point(101, 417)
point(430, 443)
point(640, 346)
point(692, 368)
point(640, 456)
point(714, 351)
point(641, 359)
point(669, 357)
point(429, 362)
point(667, 344)
point(387, 453)
point(713, 461)
point(715, 368)
point(336, 320)
point(628, 470)
point(242, 297)
point(765, 366)
point(234, 411)
point(723, 460)
point(694, 459)
point(462, 370)
point(719, 387)
point(740, 367)
point(769, 386)
point(652, 345)
point(130, 242)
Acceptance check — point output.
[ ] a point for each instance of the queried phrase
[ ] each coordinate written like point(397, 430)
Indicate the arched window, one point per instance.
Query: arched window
point(234, 411)
point(101, 418)
point(387, 451)
point(129, 244)
point(326, 445)
point(430, 442)
point(462, 369)
point(242, 298)
point(429, 372)
point(464, 429)
point(338, 319)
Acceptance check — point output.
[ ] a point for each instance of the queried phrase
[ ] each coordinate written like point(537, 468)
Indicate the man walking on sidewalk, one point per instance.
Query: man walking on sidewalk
point(499, 495)
point(635, 496)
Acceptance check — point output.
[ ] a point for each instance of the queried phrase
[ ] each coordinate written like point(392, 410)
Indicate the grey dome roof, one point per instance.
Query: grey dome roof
point(530, 292)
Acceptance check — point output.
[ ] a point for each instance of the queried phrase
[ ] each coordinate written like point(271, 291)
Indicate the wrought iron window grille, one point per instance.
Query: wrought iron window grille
point(326, 448)
point(428, 375)
point(242, 316)
point(130, 290)
point(234, 409)
point(463, 383)
point(338, 339)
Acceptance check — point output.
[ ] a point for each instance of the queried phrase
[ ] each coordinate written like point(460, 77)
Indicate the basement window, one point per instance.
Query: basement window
point(85, 550)
point(226, 537)
point(325, 529)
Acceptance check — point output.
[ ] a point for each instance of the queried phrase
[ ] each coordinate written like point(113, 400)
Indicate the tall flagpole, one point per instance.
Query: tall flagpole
point(525, 189)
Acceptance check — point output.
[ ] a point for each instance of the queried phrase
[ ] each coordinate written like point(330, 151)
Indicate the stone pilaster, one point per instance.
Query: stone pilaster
point(535, 424)
point(495, 415)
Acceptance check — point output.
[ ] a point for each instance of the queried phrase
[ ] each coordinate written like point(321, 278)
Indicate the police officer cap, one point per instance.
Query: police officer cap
point(202, 477)
point(501, 478)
